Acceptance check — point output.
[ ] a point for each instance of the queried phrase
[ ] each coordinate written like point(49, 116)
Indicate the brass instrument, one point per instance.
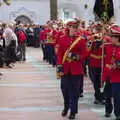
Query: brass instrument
point(49, 38)
point(96, 42)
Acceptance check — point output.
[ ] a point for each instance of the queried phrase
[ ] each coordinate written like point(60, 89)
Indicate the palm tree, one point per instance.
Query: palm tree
point(53, 9)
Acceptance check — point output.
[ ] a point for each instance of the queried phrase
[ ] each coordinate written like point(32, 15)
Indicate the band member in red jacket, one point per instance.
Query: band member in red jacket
point(71, 54)
point(95, 58)
point(112, 77)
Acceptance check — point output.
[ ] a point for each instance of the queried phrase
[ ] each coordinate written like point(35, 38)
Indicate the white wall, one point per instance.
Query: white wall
point(88, 14)
point(37, 10)
point(78, 7)
point(117, 11)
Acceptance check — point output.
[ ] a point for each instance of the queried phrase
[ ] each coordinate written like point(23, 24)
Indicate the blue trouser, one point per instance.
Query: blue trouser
point(47, 52)
point(81, 84)
point(96, 78)
point(70, 86)
point(85, 63)
point(112, 90)
point(51, 54)
point(90, 73)
point(108, 97)
point(44, 51)
point(22, 48)
point(116, 97)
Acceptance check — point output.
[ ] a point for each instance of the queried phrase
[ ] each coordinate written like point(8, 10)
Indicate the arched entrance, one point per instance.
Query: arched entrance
point(23, 19)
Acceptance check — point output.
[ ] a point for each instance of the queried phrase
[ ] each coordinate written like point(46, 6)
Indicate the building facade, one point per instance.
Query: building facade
point(84, 9)
point(30, 11)
point(38, 11)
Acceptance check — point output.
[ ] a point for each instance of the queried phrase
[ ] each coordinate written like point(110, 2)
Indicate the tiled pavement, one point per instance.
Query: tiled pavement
point(30, 91)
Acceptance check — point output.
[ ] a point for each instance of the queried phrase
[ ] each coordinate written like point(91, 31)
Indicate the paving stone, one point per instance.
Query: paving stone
point(30, 91)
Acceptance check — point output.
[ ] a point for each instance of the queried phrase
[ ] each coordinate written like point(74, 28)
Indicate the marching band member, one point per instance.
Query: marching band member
point(95, 57)
point(71, 54)
point(112, 75)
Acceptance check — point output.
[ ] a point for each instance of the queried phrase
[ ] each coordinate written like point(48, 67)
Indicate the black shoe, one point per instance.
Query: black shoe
point(97, 102)
point(53, 65)
point(9, 66)
point(1, 74)
point(117, 118)
point(24, 59)
point(72, 116)
point(81, 95)
point(102, 102)
point(64, 113)
point(107, 115)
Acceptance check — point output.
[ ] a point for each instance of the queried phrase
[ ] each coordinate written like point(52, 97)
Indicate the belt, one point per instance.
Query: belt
point(73, 57)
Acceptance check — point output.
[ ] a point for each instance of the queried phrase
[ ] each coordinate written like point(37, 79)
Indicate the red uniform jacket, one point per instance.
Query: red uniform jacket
point(107, 47)
point(94, 62)
point(73, 67)
point(42, 36)
point(54, 37)
point(107, 39)
point(114, 74)
point(106, 71)
point(58, 36)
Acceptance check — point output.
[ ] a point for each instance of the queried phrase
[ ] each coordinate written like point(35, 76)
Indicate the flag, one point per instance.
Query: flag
point(104, 9)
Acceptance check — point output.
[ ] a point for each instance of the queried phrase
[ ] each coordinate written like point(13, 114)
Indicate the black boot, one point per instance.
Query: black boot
point(64, 112)
point(72, 116)
point(117, 118)
point(1, 74)
point(107, 114)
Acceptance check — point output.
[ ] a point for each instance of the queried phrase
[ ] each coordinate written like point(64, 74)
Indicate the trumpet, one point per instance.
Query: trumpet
point(96, 41)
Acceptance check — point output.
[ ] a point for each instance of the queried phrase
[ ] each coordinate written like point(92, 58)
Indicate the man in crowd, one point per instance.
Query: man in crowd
point(11, 44)
point(21, 35)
